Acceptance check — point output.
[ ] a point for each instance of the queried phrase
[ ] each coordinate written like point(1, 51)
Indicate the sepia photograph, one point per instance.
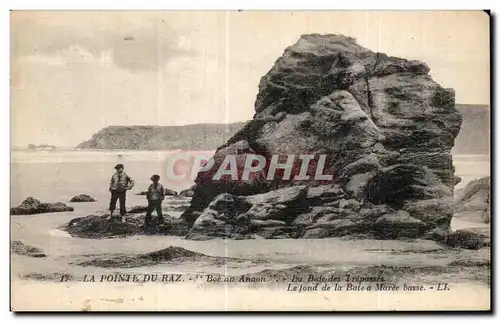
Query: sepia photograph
point(244, 160)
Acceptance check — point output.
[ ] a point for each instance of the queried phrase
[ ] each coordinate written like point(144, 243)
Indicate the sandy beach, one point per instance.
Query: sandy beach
point(36, 281)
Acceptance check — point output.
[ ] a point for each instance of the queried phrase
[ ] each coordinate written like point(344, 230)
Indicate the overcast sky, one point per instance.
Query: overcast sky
point(73, 73)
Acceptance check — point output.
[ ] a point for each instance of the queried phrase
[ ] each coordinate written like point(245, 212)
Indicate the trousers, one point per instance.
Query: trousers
point(154, 205)
point(115, 196)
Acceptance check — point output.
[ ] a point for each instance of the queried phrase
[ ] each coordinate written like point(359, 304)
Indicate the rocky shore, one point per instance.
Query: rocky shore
point(33, 206)
point(100, 226)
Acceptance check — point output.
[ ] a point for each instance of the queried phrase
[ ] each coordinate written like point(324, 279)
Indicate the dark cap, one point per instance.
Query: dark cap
point(119, 166)
point(155, 177)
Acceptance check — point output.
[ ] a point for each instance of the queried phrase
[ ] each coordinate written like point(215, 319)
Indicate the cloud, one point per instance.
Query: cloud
point(142, 46)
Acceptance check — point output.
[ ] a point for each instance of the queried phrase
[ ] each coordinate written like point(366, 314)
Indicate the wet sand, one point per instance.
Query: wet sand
point(156, 297)
point(37, 281)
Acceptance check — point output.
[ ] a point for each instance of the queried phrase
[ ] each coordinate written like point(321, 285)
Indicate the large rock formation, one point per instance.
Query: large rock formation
point(385, 127)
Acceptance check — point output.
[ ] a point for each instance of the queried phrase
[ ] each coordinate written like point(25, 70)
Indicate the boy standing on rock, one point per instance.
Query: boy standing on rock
point(119, 184)
point(155, 196)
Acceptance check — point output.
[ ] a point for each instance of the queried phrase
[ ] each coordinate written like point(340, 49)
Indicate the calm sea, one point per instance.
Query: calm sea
point(57, 175)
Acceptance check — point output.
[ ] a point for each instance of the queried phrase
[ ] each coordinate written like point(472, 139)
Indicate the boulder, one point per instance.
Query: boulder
point(219, 218)
point(54, 207)
point(238, 216)
point(466, 239)
point(266, 223)
point(317, 233)
point(472, 203)
point(168, 192)
point(18, 247)
point(189, 192)
point(400, 183)
point(275, 232)
point(437, 212)
point(166, 207)
point(33, 206)
point(324, 194)
point(28, 206)
point(82, 198)
point(284, 204)
point(331, 225)
point(138, 209)
point(383, 126)
point(100, 226)
point(323, 213)
point(438, 234)
point(484, 232)
point(398, 225)
point(210, 224)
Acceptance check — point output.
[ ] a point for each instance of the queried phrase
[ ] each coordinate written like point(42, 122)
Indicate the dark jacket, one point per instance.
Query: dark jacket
point(156, 193)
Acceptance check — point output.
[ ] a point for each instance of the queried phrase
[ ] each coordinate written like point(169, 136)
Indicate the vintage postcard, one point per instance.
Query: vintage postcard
point(250, 160)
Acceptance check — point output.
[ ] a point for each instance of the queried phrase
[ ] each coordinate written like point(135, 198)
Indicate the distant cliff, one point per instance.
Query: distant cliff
point(43, 146)
point(188, 137)
point(474, 135)
point(472, 139)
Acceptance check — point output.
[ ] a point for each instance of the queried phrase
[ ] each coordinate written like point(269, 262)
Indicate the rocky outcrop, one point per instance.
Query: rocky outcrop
point(171, 254)
point(18, 247)
point(168, 192)
point(268, 215)
point(385, 129)
point(100, 226)
point(33, 206)
point(312, 212)
point(138, 209)
point(188, 137)
point(472, 203)
point(81, 198)
point(189, 192)
point(467, 239)
point(166, 206)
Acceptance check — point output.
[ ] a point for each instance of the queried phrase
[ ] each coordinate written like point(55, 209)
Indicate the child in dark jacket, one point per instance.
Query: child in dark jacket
point(155, 196)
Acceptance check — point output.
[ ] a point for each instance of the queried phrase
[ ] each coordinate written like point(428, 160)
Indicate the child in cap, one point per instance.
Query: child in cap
point(155, 196)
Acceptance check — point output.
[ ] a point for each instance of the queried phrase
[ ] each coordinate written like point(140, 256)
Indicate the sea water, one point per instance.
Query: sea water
point(56, 176)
